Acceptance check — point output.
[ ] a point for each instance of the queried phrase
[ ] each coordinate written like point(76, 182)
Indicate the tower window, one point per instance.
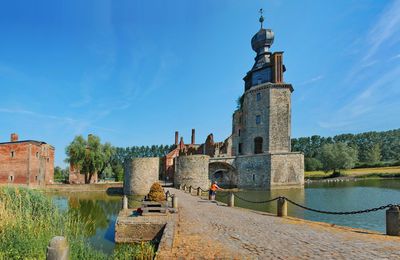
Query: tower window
point(254, 177)
point(258, 119)
point(240, 148)
point(258, 143)
point(12, 154)
point(11, 178)
point(258, 96)
point(239, 132)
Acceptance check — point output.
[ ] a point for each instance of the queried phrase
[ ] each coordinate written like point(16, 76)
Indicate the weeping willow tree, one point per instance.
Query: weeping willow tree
point(88, 156)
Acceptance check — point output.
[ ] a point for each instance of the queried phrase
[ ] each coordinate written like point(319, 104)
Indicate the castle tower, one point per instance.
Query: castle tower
point(262, 123)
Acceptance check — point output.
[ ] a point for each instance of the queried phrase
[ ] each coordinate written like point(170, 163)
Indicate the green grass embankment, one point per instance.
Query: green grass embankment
point(28, 220)
point(378, 172)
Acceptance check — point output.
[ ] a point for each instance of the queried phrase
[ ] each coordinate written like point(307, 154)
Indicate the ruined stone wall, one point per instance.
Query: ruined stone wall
point(192, 170)
point(254, 171)
point(29, 163)
point(287, 169)
point(140, 174)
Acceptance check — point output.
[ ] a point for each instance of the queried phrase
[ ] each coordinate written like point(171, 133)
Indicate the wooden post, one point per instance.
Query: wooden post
point(199, 191)
point(58, 249)
point(125, 202)
point(174, 201)
point(231, 200)
point(281, 207)
point(393, 221)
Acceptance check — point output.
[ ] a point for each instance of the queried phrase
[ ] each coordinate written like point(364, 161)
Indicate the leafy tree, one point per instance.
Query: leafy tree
point(86, 155)
point(312, 164)
point(373, 154)
point(337, 156)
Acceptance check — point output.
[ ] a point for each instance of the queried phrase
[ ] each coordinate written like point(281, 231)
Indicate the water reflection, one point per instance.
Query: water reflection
point(98, 210)
point(333, 196)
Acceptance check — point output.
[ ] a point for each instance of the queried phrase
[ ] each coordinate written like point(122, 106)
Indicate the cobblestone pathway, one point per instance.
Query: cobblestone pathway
point(207, 230)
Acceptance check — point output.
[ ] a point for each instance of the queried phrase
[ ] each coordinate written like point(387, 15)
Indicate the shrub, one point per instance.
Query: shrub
point(156, 192)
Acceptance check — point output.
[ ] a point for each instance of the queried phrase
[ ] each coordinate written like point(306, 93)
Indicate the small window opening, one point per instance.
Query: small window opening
point(239, 132)
point(258, 119)
point(254, 177)
point(37, 154)
point(12, 154)
point(240, 148)
point(36, 177)
point(258, 143)
point(48, 160)
point(11, 178)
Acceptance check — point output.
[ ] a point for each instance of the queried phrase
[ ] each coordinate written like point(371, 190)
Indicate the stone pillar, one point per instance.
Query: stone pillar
point(231, 200)
point(125, 202)
point(174, 201)
point(393, 221)
point(281, 207)
point(190, 189)
point(199, 191)
point(180, 186)
point(58, 249)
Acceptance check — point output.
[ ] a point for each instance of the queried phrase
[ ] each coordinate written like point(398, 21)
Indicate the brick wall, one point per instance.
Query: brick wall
point(26, 162)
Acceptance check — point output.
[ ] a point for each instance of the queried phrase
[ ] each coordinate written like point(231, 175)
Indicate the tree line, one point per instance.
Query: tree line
point(369, 149)
point(90, 156)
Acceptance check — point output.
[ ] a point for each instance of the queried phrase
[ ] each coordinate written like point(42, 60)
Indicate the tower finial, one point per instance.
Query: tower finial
point(261, 17)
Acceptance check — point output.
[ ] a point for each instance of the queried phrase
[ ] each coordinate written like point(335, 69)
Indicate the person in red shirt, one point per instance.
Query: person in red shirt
point(213, 190)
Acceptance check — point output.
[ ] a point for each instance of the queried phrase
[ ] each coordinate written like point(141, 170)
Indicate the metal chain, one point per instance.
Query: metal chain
point(265, 201)
point(340, 212)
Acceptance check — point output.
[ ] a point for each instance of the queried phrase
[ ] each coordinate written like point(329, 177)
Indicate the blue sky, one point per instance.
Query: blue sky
point(133, 72)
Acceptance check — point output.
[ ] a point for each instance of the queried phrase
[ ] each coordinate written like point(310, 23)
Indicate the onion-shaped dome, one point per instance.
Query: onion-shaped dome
point(262, 40)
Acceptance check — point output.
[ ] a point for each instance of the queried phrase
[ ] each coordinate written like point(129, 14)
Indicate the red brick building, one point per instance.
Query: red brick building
point(26, 162)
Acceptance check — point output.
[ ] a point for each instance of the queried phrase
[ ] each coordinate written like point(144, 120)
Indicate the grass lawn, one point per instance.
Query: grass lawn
point(359, 173)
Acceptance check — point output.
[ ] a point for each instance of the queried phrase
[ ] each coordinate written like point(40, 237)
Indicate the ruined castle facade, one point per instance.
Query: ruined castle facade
point(26, 162)
point(258, 152)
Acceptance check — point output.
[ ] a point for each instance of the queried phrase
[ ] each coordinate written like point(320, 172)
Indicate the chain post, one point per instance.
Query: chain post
point(281, 207)
point(231, 199)
point(199, 191)
point(393, 221)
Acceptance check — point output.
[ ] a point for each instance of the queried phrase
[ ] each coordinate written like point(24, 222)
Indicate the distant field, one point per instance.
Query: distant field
point(362, 172)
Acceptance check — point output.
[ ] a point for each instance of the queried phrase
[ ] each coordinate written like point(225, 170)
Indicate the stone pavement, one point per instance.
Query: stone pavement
point(209, 230)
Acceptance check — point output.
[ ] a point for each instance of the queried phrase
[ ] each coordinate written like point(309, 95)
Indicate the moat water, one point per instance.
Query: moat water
point(101, 210)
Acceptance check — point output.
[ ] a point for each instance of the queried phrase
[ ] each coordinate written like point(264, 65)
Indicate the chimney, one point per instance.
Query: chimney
point(181, 144)
point(176, 137)
point(14, 137)
point(193, 136)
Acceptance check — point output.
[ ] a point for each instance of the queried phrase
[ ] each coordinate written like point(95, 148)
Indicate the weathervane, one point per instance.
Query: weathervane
point(261, 17)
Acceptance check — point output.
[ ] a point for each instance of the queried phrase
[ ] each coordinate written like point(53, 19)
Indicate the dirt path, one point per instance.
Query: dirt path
point(207, 230)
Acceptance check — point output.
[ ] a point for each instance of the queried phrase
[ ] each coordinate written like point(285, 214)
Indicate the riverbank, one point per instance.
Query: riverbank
point(236, 233)
point(378, 172)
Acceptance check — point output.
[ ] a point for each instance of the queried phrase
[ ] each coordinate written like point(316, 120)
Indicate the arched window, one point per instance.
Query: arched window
point(258, 144)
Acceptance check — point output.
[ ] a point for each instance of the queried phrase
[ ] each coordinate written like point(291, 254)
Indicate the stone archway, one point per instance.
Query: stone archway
point(225, 174)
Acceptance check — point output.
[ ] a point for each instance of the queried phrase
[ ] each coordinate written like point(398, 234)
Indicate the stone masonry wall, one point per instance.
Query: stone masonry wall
point(279, 118)
point(287, 169)
point(140, 174)
point(254, 171)
point(192, 170)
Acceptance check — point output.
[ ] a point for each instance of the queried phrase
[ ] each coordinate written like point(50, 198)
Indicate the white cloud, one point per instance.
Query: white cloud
point(310, 81)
